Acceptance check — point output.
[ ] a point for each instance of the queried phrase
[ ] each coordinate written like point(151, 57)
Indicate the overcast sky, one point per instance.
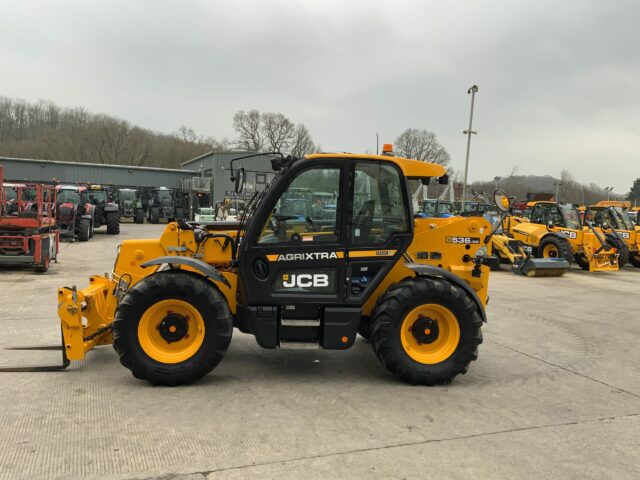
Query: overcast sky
point(559, 81)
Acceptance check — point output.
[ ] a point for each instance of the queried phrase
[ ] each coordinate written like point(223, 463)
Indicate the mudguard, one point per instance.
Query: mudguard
point(436, 272)
point(204, 268)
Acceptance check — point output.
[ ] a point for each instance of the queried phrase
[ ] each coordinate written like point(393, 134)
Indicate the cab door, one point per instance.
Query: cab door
point(294, 250)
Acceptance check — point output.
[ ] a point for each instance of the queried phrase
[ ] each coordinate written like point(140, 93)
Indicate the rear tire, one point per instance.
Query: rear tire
point(139, 216)
point(154, 216)
point(206, 336)
point(635, 260)
point(432, 361)
point(552, 246)
point(44, 266)
point(113, 223)
point(84, 230)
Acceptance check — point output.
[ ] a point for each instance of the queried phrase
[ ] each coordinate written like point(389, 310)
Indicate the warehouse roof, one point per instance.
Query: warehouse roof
point(105, 165)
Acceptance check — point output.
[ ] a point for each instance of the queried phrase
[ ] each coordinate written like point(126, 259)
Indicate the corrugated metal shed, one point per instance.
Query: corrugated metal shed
point(215, 165)
point(21, 169)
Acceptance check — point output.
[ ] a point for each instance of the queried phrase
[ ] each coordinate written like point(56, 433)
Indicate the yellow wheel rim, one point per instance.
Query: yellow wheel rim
point(438, 348)
point(550, 251)
point(171, 331)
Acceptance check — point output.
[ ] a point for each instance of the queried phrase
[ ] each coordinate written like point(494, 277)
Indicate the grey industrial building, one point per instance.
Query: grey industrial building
point(206, 178)
point(214, 167)
point(52, 171)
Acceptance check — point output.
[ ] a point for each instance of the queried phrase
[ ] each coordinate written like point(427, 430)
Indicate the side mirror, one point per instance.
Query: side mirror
point(239, 179)
point(444, 180)
point(502, 201)
point(550, 224)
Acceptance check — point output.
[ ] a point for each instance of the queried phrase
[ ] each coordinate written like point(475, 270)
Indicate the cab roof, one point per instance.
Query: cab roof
point(410, 168)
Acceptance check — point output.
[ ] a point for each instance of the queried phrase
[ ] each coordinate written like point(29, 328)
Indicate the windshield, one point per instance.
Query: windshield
point(68, 196)
point(445, 207)
point(624, 222)
point(429, 207)
point(127, 195)
point(163, 194)
point(10, 193)
point(571, 217)
point(97, 196)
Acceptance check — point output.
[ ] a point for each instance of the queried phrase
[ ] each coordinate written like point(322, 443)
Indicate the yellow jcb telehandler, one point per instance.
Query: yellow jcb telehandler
point(511, 251)
point(614, 223)
point(556, 231)
point(417, 288)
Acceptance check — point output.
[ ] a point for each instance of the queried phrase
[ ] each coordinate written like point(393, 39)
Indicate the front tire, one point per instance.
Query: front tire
point(426, 331)
point(552, 246)
point(113, 223)
point(172, 328)
point(84, 230)
point(154, 216)
point(139, 216)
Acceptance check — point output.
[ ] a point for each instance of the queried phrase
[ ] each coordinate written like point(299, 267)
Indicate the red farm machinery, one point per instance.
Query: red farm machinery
point(28, 229)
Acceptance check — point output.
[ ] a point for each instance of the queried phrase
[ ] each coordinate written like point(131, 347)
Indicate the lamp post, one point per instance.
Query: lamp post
point(497, 180)
point(557, 185)
point(468, 133)
point(609, 190)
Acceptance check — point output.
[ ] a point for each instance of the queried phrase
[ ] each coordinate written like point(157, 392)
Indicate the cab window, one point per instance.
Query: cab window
point(379, 208)
point(307, 211)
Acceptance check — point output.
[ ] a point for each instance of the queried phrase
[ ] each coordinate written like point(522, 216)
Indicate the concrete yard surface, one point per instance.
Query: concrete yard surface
point(555, 393)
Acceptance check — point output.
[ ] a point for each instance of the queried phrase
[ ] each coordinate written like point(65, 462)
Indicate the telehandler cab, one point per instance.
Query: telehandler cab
point(416, 287)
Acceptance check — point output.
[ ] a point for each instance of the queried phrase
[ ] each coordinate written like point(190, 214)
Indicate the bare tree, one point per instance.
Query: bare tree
point(247, 124)
point(302, 143)
point(277, 131)
point(421, 145)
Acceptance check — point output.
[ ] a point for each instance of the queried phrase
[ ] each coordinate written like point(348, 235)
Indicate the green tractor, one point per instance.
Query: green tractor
point(131, 205)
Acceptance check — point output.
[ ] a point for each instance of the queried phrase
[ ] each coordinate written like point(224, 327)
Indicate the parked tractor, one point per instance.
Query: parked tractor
point(416, 287)
point(556, 231)
point(75, 215)
point(130, 202)
point(28, 231)
point(614, 223)
point(166, 203)
point(107, 212)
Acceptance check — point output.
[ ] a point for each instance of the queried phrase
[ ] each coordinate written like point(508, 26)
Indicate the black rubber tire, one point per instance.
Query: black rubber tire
point(635, 260)
point(562, 245)
point(91, 230)
point(154, 216)
point(44, 266)
point(192, 289)
point(364, 329)
point(387, 320)
point(113, 223)
point(139, 216)
point(84, 229)
point(623, 251)
point(581, 260)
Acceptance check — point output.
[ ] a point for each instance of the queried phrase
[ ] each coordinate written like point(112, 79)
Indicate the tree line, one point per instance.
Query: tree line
point(44, 130)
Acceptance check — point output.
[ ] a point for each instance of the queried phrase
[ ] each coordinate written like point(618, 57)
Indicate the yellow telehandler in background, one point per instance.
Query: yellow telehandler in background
point(555, 230)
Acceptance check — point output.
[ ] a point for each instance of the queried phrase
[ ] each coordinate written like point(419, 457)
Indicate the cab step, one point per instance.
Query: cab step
point(299, 345)
point(302, 322)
